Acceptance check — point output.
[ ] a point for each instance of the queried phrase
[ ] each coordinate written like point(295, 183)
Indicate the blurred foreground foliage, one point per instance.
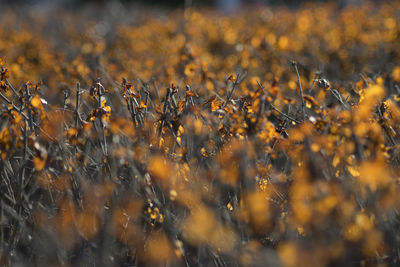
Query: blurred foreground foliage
point(265, 138)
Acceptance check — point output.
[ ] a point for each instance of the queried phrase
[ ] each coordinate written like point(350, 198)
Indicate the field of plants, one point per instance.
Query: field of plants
point(152, 137)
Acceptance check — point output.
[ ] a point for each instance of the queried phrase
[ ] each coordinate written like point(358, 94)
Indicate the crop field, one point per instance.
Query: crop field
point(191, 137)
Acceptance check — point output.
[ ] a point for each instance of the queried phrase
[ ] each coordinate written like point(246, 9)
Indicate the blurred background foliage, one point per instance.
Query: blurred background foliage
point(179, 3)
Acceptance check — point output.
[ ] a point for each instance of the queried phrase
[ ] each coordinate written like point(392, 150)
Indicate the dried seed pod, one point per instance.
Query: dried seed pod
point(324, 83)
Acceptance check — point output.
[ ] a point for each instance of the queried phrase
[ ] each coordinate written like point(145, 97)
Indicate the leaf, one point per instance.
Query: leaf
point(135, 95)
point(311, 100)
point(336, 160)
point(158, 109)
point(36, 101)
point(39, 163)
point(231, 78)
point(40, 159)
point(353, 171)
point(211, 99)
point(191, 93)
point(181, 105)
point(215, 105)
point(288, 100)
point(142, 105)
point(107, 109)
point(72, 132)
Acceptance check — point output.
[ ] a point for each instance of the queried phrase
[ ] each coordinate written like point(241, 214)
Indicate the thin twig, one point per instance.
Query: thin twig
point(173, 134)
point(384, 127)
point(100, 91)
point(283, 114)
point(146, 100)
point(2, 225)
point(397, 88)
point(303, 105)
point(156, 90)
point(174, 103)
point(12, 87)
point(337, 95)
point(364, 80)
point(260, 85)
point(78, 92)
point(30, 116)
point(316, 77)
point(235, 84)
point(187, 87)
point(165, 108)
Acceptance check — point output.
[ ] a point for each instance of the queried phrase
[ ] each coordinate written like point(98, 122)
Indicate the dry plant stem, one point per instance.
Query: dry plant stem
point(187, 87)
point(218, 96)
point(283, 114)
point(25, 158)
point(303, 105)
point(384, 127)
point(77, 116)
point(138, 113)
point(1, 226)
point(173, 103)
point(316, 77)
point(131, 111)
point(30, 125)
point(17, 220)
point(364, 80)
point(21, 178)
point(235, 83)
point(274, 143)
point(66, 96)
point(261, 86)
point(146, 100)
point(8, 101)
point(100, 90)
point(173, 134)
point(132, 108)
point(30, 116)
point(165, 108)
point(129, 103)
point(262, 103)
point(397, 88)
point(78, 92)
point(260, 109)
point(156, 90)
point(339, 98)
point(11, 195)
point(12, 87)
